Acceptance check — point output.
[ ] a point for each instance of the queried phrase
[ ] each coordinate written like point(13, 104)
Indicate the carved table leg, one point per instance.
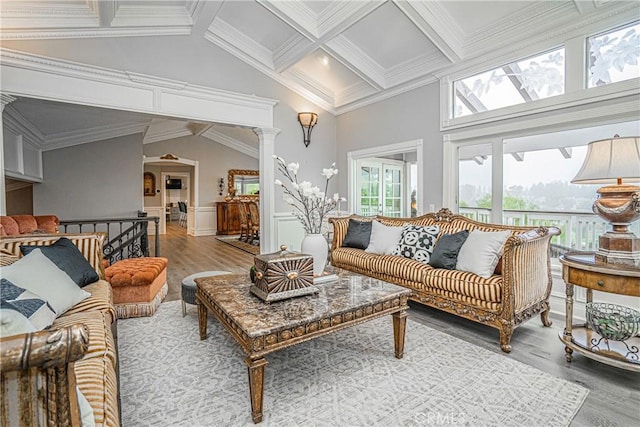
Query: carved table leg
point(568, 320)
point(202, 319)
point(256, 386)
point(399, 328)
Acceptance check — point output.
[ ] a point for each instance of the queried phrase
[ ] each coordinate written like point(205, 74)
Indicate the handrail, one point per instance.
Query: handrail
point(131, 238)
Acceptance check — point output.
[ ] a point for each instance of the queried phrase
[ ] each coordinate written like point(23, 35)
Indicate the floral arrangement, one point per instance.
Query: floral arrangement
point(310, 203)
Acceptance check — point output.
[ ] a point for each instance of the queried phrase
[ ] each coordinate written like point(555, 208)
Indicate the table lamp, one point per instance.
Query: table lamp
point(610, 161)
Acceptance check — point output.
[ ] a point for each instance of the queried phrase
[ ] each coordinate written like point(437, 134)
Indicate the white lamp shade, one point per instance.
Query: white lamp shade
point(610, 159)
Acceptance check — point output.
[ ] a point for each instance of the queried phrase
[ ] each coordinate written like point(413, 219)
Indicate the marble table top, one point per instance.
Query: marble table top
point(257, 318)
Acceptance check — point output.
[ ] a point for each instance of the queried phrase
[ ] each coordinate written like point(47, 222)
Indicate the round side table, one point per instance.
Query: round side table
point(189, 287)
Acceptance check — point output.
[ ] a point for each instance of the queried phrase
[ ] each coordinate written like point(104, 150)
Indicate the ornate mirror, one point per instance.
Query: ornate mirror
point(244, 183)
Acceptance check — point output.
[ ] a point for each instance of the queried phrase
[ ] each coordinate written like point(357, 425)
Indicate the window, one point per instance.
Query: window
point(613, 56)
point(474, 181)
point(522, 81)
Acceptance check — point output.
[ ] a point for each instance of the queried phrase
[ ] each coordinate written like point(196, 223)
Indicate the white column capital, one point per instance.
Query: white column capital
point(266, 133)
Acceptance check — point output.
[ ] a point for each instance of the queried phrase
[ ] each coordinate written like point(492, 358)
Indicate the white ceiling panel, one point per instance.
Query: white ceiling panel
point(477, 15)
point(389, 37)
point(257, 23)
point(321, 67)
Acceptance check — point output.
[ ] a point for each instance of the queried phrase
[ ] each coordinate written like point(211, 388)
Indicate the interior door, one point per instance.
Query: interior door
point(381, 187)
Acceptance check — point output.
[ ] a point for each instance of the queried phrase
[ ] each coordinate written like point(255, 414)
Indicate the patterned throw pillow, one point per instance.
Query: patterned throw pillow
point(22, 311)
point(417, 242)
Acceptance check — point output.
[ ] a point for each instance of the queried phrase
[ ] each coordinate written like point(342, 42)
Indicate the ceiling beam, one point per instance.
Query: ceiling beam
point(519, 156)
point(513, 72)
point(566, 152)
point(296, 14)
point(354, 58)
point(435, 23)
point(340, 15)
point(291, 52)
point(227, 141)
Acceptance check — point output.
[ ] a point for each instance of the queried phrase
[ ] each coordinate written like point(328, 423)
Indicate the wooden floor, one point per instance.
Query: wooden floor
point(614, 397)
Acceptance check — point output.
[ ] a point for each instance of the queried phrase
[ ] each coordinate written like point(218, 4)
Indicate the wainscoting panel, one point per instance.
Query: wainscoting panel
point(158, 211)
point(201, 221)
point(288, 231)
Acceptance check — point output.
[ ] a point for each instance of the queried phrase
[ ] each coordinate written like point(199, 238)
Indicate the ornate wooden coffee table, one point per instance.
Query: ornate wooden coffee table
point(262, 328)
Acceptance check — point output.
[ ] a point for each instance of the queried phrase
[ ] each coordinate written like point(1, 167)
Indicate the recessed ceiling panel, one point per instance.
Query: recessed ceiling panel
point(257, 23)
point(322, 67)
point(389, 37)
point(317, 6)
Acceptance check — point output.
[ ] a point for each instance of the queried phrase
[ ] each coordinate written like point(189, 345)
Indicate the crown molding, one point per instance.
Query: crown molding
point(298, 87)
point(337, 16)
point(245, 47)
point(296, 14)
point(415, 67)
point(292, 50)
point(232, 143)
point(74, 33)
point(44, 15)
point(151, 16)
point(150, 138)
point(19, 125)
point(354, 92)
point(354, 58)
point(302, 80)
point(389, 93)
point(84, 136)
point(435, 23)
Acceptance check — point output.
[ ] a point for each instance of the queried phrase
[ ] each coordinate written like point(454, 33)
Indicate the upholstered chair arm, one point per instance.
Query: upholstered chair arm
point(37, 371)
point(340, 226)
point(526, 268)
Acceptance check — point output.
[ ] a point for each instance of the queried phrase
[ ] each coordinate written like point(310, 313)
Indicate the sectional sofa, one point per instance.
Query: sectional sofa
point(518, 289)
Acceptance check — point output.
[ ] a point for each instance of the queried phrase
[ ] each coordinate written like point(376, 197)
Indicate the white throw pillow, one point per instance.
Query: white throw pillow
point(22, 311)
point(383, 238)
point(36, 273)
point(481, 252)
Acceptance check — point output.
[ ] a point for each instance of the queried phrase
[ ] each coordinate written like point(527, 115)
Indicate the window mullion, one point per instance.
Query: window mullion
point(575, 71)
point(497, 181)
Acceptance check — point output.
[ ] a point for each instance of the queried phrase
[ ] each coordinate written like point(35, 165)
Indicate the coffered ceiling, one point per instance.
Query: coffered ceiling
point(338, 54)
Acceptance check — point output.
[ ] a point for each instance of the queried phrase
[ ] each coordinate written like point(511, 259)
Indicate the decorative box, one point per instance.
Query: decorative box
point(282, 275)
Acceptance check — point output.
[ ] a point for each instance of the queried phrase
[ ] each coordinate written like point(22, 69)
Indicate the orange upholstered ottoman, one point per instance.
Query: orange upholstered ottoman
point(139, 285)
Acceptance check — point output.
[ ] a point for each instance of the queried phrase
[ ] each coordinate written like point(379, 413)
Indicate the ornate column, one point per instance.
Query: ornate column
point(4, 100)
point(267, 138)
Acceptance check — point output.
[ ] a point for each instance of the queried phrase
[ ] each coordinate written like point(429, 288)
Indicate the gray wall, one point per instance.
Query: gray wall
point(214, 159)
point(408, 116)
point(91, 181)
point(20, 201)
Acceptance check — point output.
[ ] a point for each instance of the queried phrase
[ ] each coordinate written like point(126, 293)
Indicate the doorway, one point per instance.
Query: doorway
point(386, 180)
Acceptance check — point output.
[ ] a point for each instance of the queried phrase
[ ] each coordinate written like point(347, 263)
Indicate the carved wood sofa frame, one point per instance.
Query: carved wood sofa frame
point(526, 271)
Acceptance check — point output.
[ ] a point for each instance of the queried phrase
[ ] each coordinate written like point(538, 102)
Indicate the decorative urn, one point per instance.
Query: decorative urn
point(282, 275)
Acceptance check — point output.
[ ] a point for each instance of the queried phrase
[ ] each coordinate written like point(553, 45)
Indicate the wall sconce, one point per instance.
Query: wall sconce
point(307, 121)
point(221, 185)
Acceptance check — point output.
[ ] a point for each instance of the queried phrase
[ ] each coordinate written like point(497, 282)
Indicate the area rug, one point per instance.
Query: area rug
point(252, 248)
point(349, 378)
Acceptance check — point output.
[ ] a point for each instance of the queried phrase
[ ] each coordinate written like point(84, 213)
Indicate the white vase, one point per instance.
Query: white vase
point(316, 246)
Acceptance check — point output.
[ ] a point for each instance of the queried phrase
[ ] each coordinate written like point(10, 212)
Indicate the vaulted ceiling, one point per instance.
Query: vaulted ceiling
point(338, 54)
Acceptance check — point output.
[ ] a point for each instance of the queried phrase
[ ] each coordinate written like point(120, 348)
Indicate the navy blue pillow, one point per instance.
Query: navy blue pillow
point(358, 234)
point(64, 254)
point(445, 253)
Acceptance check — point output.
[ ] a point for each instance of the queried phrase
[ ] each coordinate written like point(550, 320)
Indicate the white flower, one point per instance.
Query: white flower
point(293, 168)
point(328, 173)
point(336, 197)
point(278, 182)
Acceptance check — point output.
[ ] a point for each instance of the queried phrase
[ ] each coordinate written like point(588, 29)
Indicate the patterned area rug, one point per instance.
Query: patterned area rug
point(243, 246)
point(350, 378)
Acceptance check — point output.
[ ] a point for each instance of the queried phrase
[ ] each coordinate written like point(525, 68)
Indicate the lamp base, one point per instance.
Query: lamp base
point(619, 248)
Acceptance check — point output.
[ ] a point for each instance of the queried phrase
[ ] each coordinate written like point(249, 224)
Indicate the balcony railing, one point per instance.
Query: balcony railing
point(126, 237)
point(580, 230)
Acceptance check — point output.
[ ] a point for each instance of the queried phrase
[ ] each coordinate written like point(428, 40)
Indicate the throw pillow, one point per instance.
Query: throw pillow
point(445, 253)
point(36, 273)
point(417, 242)
point(481, 251)
point(384, 238)
point(22, 311)
point(358, 234)
point(64, 254)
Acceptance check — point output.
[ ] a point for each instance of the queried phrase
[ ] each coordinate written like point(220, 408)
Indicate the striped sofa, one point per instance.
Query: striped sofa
point(518, 290)
point(39, 371)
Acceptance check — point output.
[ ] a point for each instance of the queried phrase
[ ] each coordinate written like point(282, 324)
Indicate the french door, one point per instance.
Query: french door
point(381, 186)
